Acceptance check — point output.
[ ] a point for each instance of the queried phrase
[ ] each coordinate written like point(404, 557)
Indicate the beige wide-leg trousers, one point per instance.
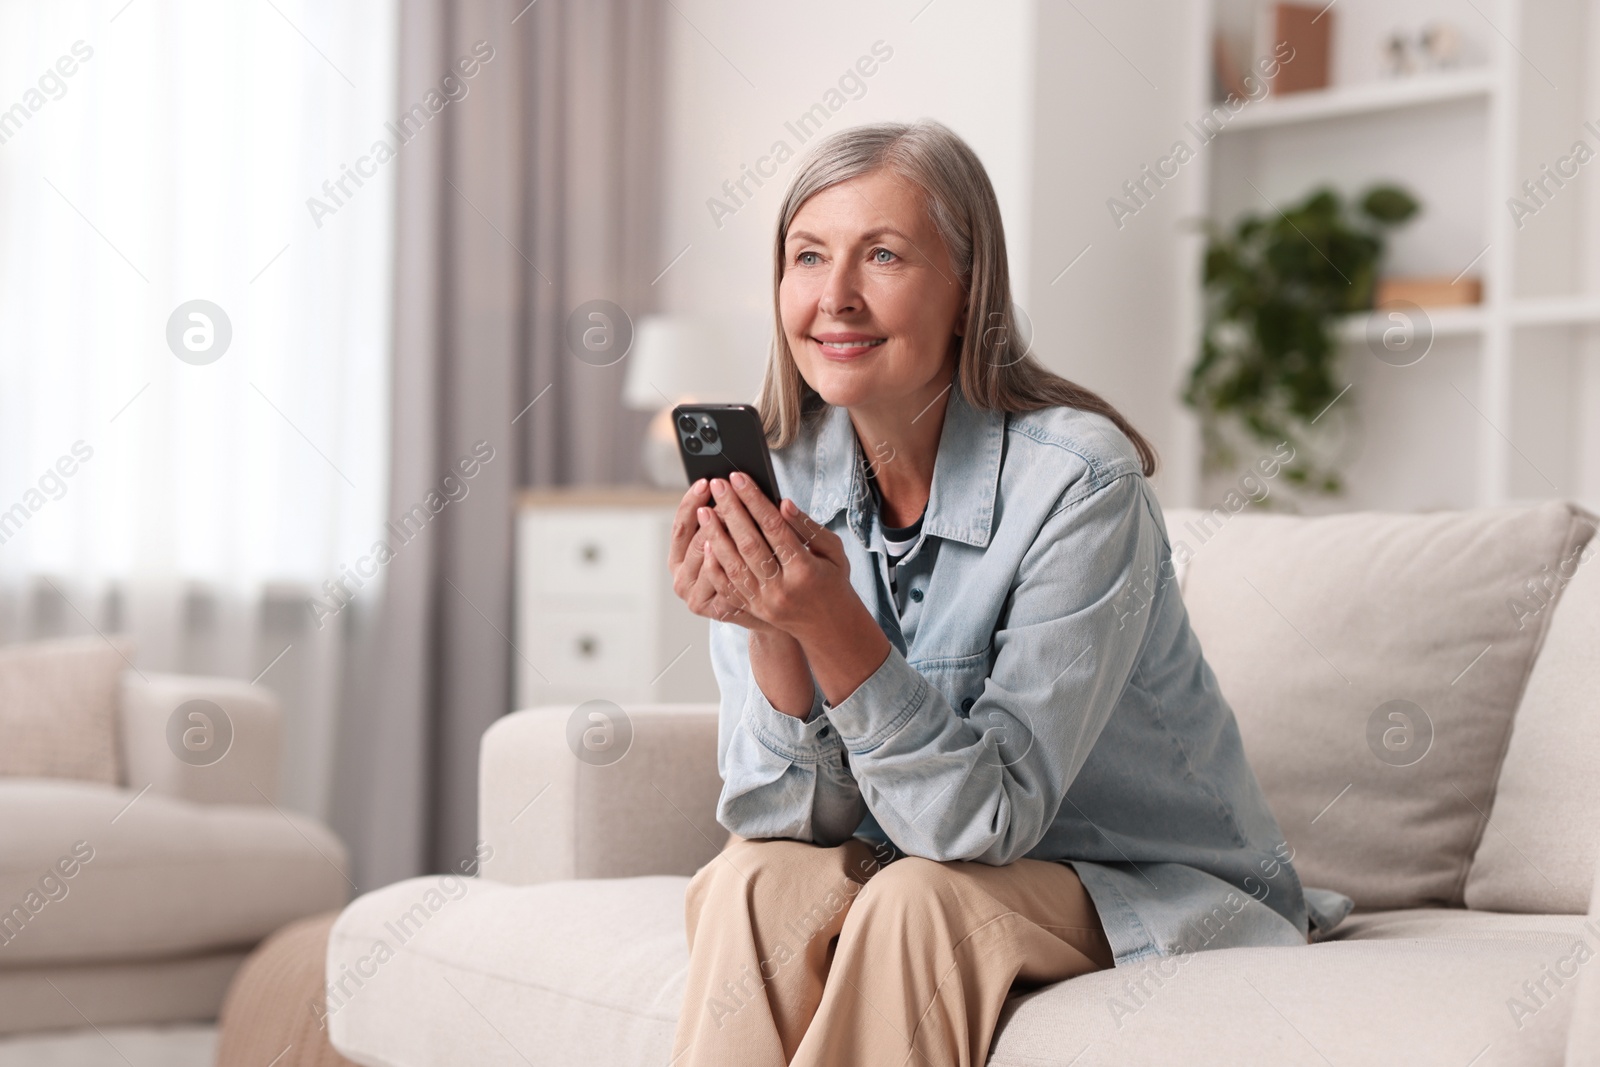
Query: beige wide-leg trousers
point(829, 957)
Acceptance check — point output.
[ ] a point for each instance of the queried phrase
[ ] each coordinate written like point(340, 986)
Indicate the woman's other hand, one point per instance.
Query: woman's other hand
point(686, 559)
point(782, 568)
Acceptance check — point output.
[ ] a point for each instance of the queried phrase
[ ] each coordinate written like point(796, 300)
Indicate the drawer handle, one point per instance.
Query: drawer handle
point(590, 552)
point(588, 646)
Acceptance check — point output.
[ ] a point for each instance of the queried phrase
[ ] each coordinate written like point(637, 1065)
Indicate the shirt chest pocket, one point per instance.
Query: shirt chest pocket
point(959, 679)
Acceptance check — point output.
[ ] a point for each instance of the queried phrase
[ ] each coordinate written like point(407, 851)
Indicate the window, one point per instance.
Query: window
point(193, 362)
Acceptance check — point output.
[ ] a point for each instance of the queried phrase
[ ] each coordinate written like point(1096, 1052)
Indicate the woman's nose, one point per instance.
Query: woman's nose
point(841, 293)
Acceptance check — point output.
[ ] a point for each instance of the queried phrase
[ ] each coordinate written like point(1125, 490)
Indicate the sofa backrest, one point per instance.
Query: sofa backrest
point(1544, 837)
point(1374, 662)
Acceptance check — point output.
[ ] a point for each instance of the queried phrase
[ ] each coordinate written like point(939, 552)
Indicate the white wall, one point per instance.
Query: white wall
point(1116, 82)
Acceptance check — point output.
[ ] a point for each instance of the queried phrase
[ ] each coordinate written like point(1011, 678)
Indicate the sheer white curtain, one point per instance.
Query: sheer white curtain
point(154, 153)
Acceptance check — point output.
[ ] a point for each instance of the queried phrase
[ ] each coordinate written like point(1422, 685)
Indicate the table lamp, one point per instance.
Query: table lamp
point(677, 359)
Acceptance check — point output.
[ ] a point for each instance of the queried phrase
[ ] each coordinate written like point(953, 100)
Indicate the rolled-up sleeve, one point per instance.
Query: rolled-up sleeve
point(987, 787)
point(782, 776)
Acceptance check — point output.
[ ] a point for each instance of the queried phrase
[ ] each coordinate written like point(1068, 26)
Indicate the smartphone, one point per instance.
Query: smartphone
point(717, 439)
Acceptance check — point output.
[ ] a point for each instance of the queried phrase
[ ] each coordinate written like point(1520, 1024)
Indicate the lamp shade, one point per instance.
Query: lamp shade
point(674, 356)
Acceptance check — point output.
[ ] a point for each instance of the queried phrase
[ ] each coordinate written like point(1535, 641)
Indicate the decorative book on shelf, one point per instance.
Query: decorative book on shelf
point(1308, 30)
point(1429, 292)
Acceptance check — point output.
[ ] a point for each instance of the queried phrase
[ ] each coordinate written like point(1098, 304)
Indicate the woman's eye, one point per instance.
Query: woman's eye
point(882, 255)
point(801, 259)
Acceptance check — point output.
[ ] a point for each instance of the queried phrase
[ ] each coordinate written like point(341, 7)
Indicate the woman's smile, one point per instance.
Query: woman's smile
point(844, 347)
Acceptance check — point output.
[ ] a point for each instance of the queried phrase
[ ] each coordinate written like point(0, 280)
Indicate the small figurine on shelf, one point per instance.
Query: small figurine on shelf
point(1441, 45)
point(1397, 60)
point(1436, 47)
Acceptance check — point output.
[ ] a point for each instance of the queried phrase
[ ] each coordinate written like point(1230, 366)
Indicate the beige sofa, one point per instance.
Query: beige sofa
point(1419, 694)
point(136, 902)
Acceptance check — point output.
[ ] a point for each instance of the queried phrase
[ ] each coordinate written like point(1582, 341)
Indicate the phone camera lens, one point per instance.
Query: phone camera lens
point(692, 444)
point(686, 424)
point(710, 434)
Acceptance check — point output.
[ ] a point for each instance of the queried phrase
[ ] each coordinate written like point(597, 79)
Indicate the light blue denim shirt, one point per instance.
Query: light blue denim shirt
point(1045, 697)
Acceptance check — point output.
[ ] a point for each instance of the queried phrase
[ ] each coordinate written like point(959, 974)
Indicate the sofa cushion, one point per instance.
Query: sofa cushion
point(58, 708)
point(451, 970)
point(1544, 829)
point(1374, 665)
point(436, 970)
point(1442, 996)
point(94, 874)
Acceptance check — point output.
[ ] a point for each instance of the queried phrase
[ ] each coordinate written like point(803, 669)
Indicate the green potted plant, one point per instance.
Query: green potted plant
point(1276, 286)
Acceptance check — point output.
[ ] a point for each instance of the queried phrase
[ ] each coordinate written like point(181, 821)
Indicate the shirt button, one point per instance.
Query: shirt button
point(966, 705)
point(916, 594)
point(822, 732)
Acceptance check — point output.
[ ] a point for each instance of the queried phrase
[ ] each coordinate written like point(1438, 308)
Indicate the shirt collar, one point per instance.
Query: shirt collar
point(966, 473)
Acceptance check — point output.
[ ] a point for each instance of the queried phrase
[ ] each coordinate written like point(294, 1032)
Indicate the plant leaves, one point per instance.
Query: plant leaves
point(1275, 287)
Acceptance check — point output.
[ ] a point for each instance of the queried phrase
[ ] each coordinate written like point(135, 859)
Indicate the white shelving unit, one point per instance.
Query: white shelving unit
point(1506, 405)
point(1373, 98)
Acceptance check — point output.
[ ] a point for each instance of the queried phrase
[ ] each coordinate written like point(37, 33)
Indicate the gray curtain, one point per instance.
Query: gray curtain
point(529, 195)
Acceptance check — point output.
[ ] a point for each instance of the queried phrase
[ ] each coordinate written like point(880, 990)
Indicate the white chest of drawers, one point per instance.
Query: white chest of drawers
point(596, 617)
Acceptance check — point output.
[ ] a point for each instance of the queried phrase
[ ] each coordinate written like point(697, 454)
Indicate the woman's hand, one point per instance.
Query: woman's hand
point(686, 559)
point(776, 564)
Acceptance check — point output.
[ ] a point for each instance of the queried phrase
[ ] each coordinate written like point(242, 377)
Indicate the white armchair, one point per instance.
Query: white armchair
point(136, 903)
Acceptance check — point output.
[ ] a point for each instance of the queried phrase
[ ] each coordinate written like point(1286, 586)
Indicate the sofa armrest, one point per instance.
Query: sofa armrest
point(547, 816)
point(246, 773)
point(1583, 1039)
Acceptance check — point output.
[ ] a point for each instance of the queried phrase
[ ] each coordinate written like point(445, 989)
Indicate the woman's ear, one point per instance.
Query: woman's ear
point(961, 320)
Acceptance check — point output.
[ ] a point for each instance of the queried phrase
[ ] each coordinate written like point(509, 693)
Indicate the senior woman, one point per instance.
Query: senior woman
point(968, 738)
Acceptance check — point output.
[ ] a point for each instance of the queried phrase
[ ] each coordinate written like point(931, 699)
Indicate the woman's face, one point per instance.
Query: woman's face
point(869, 301)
